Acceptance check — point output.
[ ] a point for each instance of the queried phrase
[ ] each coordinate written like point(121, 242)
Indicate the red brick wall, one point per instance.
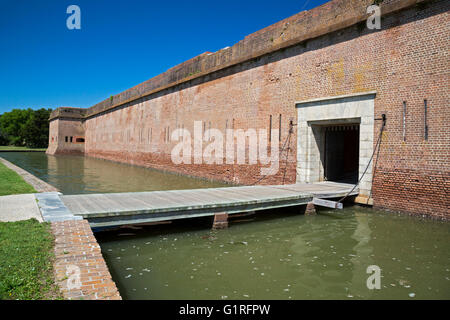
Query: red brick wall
point(76, 247)
point(413, 191)
point(59, 130)
point(407, 60)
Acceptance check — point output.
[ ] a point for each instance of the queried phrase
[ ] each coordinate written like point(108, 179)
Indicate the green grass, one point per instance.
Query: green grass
point(14, 148)
point(12, 183)
point(26, 253)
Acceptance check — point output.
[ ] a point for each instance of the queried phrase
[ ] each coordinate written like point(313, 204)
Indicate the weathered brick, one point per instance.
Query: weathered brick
point(314, 54)
point(94, 272)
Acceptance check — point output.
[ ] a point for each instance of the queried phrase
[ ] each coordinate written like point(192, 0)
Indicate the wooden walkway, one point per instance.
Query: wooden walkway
point(114, 209)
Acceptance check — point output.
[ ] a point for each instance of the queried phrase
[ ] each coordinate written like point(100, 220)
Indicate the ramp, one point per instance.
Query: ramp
point(114, 209)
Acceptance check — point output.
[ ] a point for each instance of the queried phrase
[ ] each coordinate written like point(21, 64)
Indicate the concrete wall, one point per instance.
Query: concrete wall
point(407, 60)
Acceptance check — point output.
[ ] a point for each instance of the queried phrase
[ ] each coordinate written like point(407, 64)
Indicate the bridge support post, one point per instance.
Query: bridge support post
point(310, 209)
point(220, 221)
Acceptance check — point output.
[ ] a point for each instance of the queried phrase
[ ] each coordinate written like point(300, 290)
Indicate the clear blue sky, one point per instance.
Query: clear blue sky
point(120, 44)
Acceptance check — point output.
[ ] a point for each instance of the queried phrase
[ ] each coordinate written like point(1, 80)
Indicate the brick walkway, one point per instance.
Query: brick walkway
point(80, 270)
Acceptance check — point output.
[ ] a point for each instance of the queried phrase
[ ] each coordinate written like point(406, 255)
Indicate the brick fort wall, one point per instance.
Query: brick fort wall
point(327, 51)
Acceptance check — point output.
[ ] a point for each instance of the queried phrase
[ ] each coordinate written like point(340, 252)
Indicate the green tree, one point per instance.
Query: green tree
point(35, 130)
point(3, 139)
point(12, 125)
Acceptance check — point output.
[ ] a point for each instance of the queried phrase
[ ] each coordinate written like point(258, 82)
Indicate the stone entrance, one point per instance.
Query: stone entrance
point(335, 139)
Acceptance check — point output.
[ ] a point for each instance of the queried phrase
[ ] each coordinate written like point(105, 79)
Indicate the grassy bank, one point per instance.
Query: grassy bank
point(13, 148)
point(12, 183)
point(26, 252)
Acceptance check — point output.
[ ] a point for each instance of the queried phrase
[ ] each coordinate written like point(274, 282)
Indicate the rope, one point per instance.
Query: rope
point(370, 160)
point(281, 151)
point(374, 171)
point(287, 154)
point(377, 148)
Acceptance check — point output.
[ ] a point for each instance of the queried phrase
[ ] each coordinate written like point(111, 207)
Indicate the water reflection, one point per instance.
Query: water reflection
point(280, 255)
point(362, 257)
point(78, 174)
point(283, 255)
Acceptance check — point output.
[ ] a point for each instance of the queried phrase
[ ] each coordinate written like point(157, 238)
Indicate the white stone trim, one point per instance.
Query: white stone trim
point(366, 93)
point(330, 110)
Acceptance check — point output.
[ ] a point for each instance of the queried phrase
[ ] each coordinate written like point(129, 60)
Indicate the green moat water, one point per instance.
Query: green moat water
point(77, 174)
point(283, 255)
point(278, 255)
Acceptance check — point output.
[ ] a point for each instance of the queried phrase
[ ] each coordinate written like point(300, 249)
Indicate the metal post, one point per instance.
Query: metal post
point(426, 120)
point(404, 120)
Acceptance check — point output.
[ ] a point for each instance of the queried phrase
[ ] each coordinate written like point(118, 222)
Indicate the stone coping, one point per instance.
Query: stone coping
point(38, 184)
point(352, 95)
point(330, 17)
point(52, 208)
point(80, 270)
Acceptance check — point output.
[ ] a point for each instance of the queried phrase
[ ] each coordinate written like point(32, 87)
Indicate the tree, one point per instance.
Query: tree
point(12, 124)
point(3, 140)
point(25, 128)
point(35, 130)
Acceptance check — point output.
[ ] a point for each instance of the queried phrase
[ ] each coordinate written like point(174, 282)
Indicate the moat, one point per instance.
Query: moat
point(78, 175)
point(284, 255)
point(276, 254)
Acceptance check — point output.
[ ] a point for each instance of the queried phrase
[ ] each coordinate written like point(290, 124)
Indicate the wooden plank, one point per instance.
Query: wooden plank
point(154, 206)
point(327, 203)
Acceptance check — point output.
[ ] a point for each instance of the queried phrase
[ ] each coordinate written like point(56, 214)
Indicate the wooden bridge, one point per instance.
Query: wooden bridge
point(115, 209)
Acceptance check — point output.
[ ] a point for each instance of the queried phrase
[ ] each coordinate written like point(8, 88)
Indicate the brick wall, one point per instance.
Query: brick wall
point(413, 191)
point(76, 247)
point(63, 136)
point(407, 60)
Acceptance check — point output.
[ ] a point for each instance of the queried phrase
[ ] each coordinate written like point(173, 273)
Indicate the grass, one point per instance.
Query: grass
point(12, 183)
point(14, 148)
point(26, 254)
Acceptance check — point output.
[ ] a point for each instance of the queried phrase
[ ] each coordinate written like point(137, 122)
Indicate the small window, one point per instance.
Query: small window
point(67, 139)
point(71, 139)
point(79, 140)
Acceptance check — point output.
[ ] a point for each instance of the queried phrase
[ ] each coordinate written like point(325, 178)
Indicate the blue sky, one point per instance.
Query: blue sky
point(120, 44)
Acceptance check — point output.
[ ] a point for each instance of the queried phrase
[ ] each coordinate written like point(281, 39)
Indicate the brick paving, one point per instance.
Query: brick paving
point(76, 249)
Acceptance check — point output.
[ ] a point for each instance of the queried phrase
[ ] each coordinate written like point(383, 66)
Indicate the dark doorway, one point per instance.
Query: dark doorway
point(342, 153)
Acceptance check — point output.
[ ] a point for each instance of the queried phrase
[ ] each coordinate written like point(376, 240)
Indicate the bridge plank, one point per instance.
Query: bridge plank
point(120, 208)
